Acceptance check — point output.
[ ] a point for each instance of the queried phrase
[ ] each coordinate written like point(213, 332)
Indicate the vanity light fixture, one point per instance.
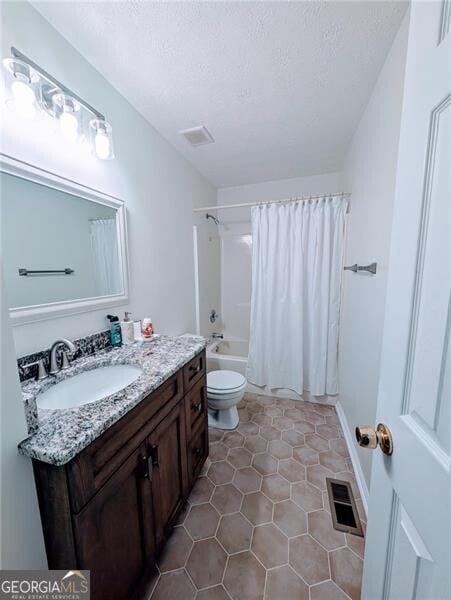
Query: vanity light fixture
point(34, 89)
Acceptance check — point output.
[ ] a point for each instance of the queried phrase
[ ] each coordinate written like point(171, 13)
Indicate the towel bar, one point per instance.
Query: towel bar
point(66, 271)
point(372, 268)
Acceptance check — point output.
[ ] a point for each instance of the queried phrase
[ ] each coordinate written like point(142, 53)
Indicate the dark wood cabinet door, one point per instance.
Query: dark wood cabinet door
point(167, 446)
point(114, 532)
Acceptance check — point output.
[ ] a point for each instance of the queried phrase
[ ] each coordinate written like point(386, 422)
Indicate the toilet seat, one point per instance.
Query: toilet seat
point(225, 397)
point(211, 393)
point(225, 382)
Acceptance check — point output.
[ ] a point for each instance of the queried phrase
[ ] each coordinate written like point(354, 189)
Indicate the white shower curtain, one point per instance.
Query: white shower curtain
point(106, 256)
point(297, 255)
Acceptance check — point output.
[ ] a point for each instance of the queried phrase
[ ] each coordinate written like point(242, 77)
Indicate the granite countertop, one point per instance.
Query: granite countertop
point(59, 435)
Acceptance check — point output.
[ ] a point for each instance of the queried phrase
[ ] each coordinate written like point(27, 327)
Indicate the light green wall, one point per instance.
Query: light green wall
point(370, 173)
point(159, 188)
point(157, 184)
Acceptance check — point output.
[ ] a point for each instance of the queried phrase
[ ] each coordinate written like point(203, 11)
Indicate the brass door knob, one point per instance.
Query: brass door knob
point(367, 437)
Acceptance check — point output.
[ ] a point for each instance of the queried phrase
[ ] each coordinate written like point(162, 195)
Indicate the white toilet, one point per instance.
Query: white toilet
point(224, 390)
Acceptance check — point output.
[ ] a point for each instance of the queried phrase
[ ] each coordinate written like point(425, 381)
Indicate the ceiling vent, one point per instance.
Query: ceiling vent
point(197, 136)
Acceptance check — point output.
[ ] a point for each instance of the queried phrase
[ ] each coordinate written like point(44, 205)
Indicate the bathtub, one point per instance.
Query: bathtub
point(227, 354)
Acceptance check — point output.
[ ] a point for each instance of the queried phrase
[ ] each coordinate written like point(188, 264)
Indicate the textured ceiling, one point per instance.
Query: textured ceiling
point(280, 85)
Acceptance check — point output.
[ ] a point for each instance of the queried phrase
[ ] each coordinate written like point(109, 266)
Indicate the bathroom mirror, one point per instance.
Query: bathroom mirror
point(63, 245)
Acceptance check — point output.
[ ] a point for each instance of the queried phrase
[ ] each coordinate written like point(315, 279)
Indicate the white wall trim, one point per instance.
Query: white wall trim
point(360, 478)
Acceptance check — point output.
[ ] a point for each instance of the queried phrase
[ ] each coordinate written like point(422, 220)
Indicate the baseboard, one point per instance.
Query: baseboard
point(360, 478)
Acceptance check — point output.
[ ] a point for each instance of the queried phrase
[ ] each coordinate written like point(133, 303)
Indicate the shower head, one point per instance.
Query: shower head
point(213, 218)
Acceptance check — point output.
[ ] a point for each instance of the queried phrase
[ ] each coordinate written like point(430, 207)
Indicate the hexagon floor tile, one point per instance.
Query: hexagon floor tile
point(202, 521)
point(265, 464)
point(234, 533)
point(245, 577)
point(283, 582)
point(227, 499)
point(270, 546)
point(257, 524)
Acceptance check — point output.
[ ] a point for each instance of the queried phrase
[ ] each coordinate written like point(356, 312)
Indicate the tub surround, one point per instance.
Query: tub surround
point(227, 354)
point(59, 435)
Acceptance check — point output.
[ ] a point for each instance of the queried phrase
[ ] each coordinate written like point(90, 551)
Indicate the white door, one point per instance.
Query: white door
point(408, 546)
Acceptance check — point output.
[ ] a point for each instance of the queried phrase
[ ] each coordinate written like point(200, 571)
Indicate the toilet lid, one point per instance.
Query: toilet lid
point(225, 381)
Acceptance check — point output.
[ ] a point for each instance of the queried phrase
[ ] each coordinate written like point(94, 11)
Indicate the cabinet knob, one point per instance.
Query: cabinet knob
point(197, 451)
point(198, 406)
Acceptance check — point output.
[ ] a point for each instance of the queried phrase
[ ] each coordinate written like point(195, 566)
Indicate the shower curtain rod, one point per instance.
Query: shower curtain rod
point(261, 203)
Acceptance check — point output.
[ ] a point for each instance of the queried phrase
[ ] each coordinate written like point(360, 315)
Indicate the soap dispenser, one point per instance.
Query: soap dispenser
point(115, 331)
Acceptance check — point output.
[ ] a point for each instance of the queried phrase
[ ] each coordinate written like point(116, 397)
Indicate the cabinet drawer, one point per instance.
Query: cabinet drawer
point(197, 451)
point(96, 464)
point(196, 406)
point(194, 371)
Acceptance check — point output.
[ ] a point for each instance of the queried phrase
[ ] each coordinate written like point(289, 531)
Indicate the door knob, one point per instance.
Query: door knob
point(367, 437)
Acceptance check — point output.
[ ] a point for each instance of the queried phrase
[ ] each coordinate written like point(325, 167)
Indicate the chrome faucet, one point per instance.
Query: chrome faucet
point(217, 336)
point(54, 367)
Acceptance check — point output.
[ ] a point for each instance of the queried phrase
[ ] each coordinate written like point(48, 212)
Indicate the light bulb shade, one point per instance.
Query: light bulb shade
point(23, 93)
point(101, 136)
point(67, 110)
point(69, 125)
point(23, 82)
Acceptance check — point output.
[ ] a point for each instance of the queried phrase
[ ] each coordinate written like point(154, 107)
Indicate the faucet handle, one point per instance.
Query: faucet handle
point(42, 372)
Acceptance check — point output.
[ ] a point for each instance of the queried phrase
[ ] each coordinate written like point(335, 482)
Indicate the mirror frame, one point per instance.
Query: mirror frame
point(53, 310)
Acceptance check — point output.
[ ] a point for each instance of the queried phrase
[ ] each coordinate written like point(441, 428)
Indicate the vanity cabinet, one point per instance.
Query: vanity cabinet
point(112, 507)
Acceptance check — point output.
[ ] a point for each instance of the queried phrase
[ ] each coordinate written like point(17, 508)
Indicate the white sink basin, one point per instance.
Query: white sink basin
point(88, 386)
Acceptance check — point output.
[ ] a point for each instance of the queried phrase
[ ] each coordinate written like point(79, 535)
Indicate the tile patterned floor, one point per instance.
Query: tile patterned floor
point(257, 523)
